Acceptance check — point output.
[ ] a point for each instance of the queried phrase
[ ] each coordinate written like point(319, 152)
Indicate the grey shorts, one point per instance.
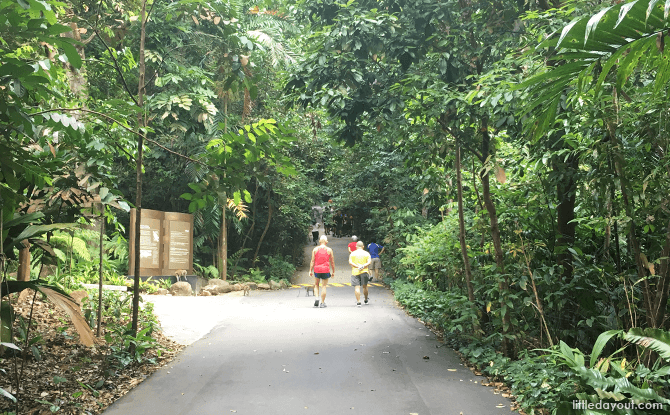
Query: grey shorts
point(375, 264)
point(360, 279)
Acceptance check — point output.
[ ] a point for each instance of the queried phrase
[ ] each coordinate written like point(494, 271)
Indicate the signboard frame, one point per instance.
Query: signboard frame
point(163, 234)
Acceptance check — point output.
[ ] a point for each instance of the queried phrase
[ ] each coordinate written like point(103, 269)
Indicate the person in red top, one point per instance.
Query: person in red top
point(320, 267)
point(352, 245)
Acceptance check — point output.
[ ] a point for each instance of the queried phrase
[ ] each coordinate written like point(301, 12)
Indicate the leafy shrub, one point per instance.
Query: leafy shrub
point(432, 254)
point(117, 312)
point(449, 311)
point(616, 381)
point(208, 272)
point(279, 268)
point(536, 381)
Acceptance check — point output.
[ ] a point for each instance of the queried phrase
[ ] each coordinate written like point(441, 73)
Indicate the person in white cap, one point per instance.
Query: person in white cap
point(352, 244)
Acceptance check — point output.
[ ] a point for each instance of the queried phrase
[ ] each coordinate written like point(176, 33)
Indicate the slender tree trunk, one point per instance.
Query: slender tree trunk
point(23, 273)
point(639, 265)
point(223, 236)
point(267, 226)
point(223, 243)
point(251, 228)
point(76, 77)
point(102, 251)
point(138, 173)
point(503, 284)
point(461, 226)
point(566, 190)
point(480, 205)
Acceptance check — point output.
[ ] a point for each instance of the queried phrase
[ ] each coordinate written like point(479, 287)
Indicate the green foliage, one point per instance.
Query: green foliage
point(255, 275)
point(208, 272)
point(432, 255)
point(117, 310)
point(279, 268)
point(535, 381)
point(614, 380)
point(625, 36)
point(449, 311)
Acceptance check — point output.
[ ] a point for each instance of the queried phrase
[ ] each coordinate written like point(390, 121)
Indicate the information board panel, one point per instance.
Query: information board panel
point(166, 243)
point(178, 231)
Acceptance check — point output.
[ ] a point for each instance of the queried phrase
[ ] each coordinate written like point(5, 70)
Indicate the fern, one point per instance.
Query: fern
point(612, 380)
point(66, 243)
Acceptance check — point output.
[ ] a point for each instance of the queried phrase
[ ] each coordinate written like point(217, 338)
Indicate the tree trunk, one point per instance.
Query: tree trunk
point(102, 253)
point(223, 235)
point(76, 77)
point(23, 273)
point(461, 226)
point(503, 284)
point(138, 173)
point(648, 296)
point(267, 226)
point(251, 228)
point(223, 243)
point(566, 190)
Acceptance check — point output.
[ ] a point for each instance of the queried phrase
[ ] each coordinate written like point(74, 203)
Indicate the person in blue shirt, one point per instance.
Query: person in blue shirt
point(376, 264)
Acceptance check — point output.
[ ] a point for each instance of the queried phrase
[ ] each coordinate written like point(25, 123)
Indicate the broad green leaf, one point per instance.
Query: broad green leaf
point(565, 32)
point(593, 23)
point(600, 344)
point(655, 339)
point(71, 52)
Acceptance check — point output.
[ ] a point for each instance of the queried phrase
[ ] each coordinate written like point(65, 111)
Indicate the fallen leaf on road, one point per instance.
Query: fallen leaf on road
point(316, 352)
point(426, 357)
point(500, 405)
point(232, 410)
point(452, 370)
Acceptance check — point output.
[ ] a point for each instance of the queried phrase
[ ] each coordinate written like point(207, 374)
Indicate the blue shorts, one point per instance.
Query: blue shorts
point(322, 275)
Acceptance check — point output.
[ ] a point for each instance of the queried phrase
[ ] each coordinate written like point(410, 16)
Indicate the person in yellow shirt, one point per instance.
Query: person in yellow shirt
point(359, 261)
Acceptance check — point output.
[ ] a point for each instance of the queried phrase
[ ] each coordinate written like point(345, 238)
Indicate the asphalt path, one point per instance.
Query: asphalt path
point(274, 353)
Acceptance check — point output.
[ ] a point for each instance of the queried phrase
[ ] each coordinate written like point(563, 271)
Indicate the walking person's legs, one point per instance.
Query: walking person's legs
point(324, 284)
point(376, 265)
point(356, 283)
point(316, 291)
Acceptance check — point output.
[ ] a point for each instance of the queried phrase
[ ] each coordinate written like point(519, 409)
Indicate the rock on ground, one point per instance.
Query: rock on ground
point(181, 289)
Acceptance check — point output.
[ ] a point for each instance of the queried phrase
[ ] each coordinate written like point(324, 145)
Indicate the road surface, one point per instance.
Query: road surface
point(274, 353)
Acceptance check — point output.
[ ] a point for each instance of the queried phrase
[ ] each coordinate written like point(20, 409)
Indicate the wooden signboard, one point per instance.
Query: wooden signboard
point(166, 243)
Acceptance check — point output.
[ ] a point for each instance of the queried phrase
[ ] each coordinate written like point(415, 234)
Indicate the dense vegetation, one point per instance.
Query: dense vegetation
point(511, 156)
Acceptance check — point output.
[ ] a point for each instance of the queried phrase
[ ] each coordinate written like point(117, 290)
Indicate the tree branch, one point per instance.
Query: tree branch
point(116, 66)
point(446, 128)
point(127, 129)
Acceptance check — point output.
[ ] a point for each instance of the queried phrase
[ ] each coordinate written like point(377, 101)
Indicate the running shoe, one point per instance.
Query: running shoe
point(358, 304)
point(323, 305)
point(366, 301)
point(316, 303)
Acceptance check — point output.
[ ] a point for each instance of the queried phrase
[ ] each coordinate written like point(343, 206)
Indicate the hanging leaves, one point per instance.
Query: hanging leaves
point(500, 174)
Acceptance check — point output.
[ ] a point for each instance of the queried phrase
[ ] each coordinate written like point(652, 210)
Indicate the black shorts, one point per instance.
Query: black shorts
point(322, 275)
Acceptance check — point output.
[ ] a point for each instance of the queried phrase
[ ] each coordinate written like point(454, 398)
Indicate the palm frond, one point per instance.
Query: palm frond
point(275, 49)
point(655, 339)
point(239, 209)
point(620, 37)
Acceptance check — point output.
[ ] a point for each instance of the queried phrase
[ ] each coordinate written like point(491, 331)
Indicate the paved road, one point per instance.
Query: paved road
point(274, 353)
